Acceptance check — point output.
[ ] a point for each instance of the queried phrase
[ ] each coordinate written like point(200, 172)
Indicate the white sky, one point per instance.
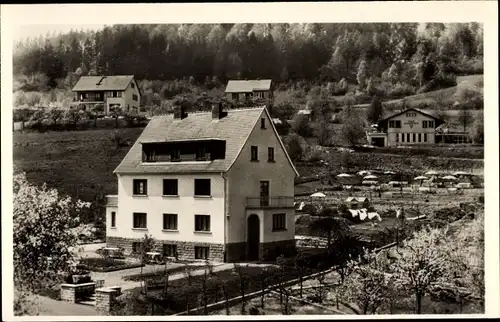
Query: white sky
point(23, 32)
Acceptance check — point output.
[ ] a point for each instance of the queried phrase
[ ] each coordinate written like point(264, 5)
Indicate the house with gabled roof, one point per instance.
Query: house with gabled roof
point(213, 185)
point(409, 127)
point(245, 91)
point(119, 92)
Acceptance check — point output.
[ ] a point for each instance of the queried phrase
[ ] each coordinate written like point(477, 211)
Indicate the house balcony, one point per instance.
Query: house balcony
point(269, 202)
point(112, 201)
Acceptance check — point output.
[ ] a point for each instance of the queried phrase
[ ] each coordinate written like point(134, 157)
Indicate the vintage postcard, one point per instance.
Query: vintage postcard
point(292, 160)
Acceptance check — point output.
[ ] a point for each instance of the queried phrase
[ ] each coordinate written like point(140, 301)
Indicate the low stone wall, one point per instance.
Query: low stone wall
point(185, 250)
point(74, 292)
point(106, 298)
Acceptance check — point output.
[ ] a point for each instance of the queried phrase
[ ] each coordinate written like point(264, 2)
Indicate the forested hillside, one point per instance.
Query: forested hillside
point(408, 57)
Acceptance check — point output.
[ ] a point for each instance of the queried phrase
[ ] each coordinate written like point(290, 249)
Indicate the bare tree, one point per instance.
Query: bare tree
point(465, 118)
point(243, 285)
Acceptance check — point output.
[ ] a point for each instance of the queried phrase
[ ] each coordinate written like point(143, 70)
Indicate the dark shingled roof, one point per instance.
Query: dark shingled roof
point(235, 128)
point(107, 83)
point(247, 86)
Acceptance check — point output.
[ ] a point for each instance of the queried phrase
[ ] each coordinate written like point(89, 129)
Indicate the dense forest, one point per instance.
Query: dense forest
point(213, 53)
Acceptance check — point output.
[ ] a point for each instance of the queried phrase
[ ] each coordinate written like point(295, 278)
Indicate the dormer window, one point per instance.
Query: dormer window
point(181, 151)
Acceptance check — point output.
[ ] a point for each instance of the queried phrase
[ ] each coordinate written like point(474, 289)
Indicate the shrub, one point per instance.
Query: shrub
point(401, 90)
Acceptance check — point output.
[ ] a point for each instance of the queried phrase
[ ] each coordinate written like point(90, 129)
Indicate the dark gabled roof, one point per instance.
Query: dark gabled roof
point(235, 128)
point(247, 86)
point(411, 109)
point(103, 83)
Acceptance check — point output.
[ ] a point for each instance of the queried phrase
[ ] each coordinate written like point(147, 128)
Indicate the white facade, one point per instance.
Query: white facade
point(228, 205)
point(185, 205)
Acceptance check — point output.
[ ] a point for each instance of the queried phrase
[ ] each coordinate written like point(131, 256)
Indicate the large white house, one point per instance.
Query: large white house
point(409, 127)
point(216, 186)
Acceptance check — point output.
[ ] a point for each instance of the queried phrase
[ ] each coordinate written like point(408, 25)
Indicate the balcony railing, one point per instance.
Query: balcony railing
point(111, 201)
point(270, 202)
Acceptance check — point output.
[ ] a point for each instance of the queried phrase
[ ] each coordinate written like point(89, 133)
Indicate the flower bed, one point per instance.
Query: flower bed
point(106, 264)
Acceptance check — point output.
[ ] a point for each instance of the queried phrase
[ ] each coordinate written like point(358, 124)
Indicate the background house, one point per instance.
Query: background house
point(109, 92)
point(245, 91)
point(410, 126)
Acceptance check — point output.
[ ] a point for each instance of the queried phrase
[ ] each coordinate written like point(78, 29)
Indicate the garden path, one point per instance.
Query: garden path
point(116, 278)
point(51, 307)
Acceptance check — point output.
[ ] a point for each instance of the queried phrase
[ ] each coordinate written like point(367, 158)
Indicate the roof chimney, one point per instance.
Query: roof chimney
point(180, 112)
point(218, 111)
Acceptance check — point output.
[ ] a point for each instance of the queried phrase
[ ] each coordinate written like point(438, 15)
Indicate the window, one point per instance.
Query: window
point(408, 137)
point(411, 114)
point(202, 187)
point(170, 187)
point(150, 156)
point(402, 137)
point(427, 124)
point(419, 137)
point(425, 137)
point(132, 85)
point(414, 137)
point(169, 250)
point(140, 220)
point(391, 124)
point(134, 97)
point(397, 124)
point(170, 221)
point(175, 155)
point(397, 137)
point(140, 187)
point(254, 153)
point(201, 223)
point(279, 222)
point(200, 153)
point(234, 96)
point(262, 123)
point(113, 219)
point(270, 152)
point(201, 252)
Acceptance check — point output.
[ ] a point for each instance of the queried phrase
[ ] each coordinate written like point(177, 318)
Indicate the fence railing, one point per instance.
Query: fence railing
point(269, 202)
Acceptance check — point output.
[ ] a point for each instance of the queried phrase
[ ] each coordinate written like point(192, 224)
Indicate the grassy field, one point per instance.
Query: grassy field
point(79, 163)
point(446, 94)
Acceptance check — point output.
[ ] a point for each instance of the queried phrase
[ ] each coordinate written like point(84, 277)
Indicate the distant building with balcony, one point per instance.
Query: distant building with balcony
point(213, 185)
point(408, 127)
point(110, 92)
point(247, 91)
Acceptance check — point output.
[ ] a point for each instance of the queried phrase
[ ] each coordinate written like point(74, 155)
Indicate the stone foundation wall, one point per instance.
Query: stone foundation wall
point(236, 252)
point(185, 250)
point(270, 251)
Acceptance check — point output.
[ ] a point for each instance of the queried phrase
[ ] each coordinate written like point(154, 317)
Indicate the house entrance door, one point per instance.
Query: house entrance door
point(253, 237)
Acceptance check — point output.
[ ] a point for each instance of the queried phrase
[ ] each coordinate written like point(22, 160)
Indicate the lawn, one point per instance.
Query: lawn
point(61, 159)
